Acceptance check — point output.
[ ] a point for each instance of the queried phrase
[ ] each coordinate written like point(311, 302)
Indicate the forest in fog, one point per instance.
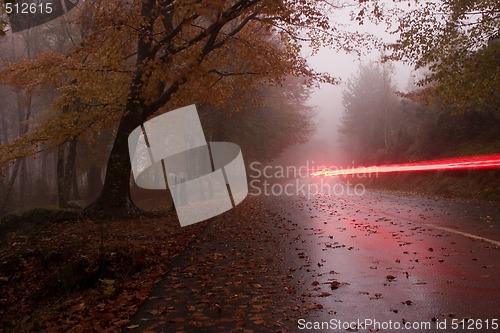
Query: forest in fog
point(382, 125)
point(66, 84)
point(64, 162)
point(84, 249)
point(263, 120)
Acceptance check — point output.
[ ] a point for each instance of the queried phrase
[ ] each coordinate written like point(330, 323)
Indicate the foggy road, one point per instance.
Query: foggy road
point(391, 258)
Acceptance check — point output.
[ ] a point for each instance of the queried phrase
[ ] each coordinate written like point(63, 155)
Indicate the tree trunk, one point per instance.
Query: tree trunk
point(69, 168)
point(74, 185)
point(66, 172)
point(10, 185)
point(45, 185)
point(63, 202)
point(114, 199)
point(23, 187)
point(23, 129)
point(23, 117)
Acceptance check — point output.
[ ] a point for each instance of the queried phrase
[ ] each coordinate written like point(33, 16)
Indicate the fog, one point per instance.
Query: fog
point(322, 148)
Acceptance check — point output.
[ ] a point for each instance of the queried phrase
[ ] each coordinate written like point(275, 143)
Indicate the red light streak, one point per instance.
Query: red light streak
point(459, 163)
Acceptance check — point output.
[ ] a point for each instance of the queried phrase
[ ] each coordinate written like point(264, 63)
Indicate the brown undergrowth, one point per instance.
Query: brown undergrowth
point(80, 275)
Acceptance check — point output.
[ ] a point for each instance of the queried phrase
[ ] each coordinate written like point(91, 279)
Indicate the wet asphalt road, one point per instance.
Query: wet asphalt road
point(432, 264)
point(335, 262)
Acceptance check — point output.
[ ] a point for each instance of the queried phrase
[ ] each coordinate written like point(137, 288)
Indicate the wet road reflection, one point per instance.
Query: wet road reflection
point(394, 258)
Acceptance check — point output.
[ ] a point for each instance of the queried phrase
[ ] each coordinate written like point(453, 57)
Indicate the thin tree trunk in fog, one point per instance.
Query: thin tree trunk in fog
point(60, 177)
point(23, 188)
point(10, 185)
point(76, 190)
point(65, 170)
point(69, 169)
point(44, 177)
point(23, 129)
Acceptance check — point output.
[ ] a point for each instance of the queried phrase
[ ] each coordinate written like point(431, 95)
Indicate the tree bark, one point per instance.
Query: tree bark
point(114, 201)
point(74, 185)
point(63, 203)
point(23, 183)
point(23, 117)
point(23, 129)
point(69, 168)
point(66, 172)
point(10, 185)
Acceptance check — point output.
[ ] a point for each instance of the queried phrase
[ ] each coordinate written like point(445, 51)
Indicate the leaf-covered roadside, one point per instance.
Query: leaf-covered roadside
point(241, 275)
point(235, 273)
point(85, 276)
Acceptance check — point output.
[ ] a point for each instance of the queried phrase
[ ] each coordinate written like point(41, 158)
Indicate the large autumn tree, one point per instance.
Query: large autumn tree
point(139, 58)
